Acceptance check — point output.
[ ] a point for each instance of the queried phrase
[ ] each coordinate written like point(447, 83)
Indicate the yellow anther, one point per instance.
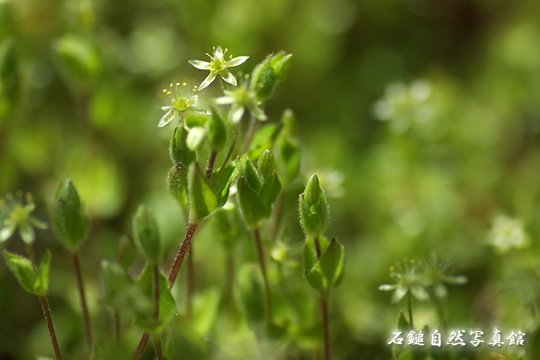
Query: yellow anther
point(164, 91)
point(169, 93)
point(184, 84)
point(171, 85)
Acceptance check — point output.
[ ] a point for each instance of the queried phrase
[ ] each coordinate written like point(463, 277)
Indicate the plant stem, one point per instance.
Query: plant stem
point(141, 346)
point(440, 312)
point(260, 254)
point(190, 283)
point(47, 312)
point(251, 134)
point(409, 309)
point(82, 296)
point(181, 253)
point(324, 308)
point(211, 162)
point(231, 149)
point(326, 327)
point(157, 342)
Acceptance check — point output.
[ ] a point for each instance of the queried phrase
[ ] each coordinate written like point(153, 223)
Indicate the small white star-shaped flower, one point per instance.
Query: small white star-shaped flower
point(218, 66)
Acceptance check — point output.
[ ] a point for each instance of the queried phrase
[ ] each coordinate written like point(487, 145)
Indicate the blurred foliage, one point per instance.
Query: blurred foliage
point(421, 118)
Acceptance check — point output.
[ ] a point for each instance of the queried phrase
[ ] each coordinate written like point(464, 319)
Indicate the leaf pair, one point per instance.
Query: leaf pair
point(33, 280)
point(258, 188)
point(324, 272)
point(313, 208)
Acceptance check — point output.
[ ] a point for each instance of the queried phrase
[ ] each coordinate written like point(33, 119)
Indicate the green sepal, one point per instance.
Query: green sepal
point(196, 119)
point(202, 198)
point(69, 220)
point(324, 273)
point(195, 138)
point(281, 64)
point(178, 149)
point(249, 293)
point(177, 183)
point(146, 235)
point(265, 164)
point(33, 280)
point(167, 305)
point(263, 79)
point(217, 131)
point(271, 189)
point(313, 208)
point(253, 207)
point(222, 183)
point(250, 174)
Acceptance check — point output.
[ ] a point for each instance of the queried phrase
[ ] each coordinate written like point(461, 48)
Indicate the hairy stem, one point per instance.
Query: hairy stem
point(141, 346)
point(190, 283)
point(82, 296)
point(260, 254)
point(181, 254)
point(211, 162)
point(47, 312)
point(324, 308)
point(409, 309)
point(157, 341)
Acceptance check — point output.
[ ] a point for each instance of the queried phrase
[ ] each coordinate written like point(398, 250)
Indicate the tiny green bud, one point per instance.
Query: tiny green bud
point(266, 164)
point(263, 79)
point(146, 235)
point(178, 149)
point(313, 208)
point(281, 63)
point(69, 220)
point(217, 131)
point(202, 198)
point(177, 182)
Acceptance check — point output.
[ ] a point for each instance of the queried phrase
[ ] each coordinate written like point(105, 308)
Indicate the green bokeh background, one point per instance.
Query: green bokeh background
point(459, 146)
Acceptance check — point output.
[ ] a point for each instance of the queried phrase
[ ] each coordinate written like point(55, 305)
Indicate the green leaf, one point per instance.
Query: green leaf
point(253, 207)
point(222, 183)
point(251, 175)
point(271, 189)
point(217, 131)
point(312, 269)
point(69, 220)
point(196, 119)
point(331, 262)
point(195, 138)
point(167, 305)
point(125, 253)
point(281, 63)
point(264, 139)
point(116, 283)
point(146, 235)
point(178, 149)
point(265, 164)
point(203, 200)
point(249, 293)
point(34, 281)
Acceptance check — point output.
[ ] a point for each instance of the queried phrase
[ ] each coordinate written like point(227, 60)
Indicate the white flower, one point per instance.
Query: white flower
point(14, 213)
point(180, 104)
point(240, 99)
point(218, 66)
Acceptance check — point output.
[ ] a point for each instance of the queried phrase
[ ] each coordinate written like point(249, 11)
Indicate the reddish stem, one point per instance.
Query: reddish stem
point(260, 254)
point(47, 312)
point(181, 254)
point(82, 296)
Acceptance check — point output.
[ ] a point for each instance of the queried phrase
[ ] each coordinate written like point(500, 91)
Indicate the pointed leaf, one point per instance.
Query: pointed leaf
point(202, 198)
point(332, 262)
point(23, 270)
point(253, 207)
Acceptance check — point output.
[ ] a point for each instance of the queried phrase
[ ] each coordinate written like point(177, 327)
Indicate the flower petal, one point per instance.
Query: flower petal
point(168, 117)
point(236, 61)
point(237, 114)
point(218, 53)
point(27, 232)
point(420, 293)
point(201, 65)
point(38, 224)
point(207, 81)
point(228, 77)
point(224, 100)
point(399, 294)
point(258, 113)
point(387, 287)
point(166, 108)
point(6, 232)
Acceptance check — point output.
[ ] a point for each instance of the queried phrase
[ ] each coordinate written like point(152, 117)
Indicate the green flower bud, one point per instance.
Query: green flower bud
point(69, 220)
point(281, 63)
point(250, 174)
point(178, 150)
point(217, 131)
point(177, 182)
point(253, 207)
point(313, 208)
point(266, 164)
point(263, 79)
point(249, 293)
point(202, 198)
point(146, 235)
